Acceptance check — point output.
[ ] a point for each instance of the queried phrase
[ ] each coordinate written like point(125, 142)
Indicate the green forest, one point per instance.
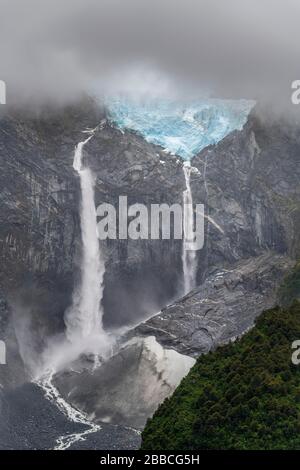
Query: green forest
point(244, 395)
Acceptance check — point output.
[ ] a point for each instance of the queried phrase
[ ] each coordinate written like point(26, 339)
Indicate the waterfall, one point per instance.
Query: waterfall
point(189, 257)
point(84, 318)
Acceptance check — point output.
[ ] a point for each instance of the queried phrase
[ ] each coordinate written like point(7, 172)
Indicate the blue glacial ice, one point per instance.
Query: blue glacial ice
point(180, 128)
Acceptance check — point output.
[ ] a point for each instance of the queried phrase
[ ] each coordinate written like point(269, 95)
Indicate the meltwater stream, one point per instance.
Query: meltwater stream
point(84, 318)
point(184, 129)
point(189, 257)
point(74, 415)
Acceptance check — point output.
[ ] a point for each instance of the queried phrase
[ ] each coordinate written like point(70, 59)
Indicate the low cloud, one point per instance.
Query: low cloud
point(51, 51)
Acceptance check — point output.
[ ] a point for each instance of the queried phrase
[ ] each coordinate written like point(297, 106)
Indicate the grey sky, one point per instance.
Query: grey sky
point(51, 49)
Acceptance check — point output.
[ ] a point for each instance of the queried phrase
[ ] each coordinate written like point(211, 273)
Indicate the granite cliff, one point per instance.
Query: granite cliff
point(249, 185)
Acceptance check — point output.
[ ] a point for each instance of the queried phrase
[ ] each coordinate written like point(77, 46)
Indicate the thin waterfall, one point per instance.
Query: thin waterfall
point(84, 318)
point(189, 257)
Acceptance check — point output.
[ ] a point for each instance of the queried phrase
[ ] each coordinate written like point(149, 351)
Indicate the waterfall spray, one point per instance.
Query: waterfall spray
point(189, 257)
point(84, 318)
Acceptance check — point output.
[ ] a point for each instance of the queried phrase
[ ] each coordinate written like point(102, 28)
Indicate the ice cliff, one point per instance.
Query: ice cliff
point(180, 128)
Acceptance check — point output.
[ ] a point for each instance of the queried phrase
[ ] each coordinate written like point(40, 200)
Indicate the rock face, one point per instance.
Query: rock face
point(39, 223)
point(222, 308)
point(40, 228)
point(145, 273)
point(249, 183)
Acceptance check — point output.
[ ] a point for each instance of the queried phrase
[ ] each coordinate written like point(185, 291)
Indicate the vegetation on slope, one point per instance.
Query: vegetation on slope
point(245, 395)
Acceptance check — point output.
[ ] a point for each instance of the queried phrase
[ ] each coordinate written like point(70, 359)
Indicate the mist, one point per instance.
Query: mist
point(53, 51)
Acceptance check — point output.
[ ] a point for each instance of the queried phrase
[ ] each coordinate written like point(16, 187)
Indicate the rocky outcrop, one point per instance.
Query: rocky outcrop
point(129, 386)
point(151, 359)
point(222, 308)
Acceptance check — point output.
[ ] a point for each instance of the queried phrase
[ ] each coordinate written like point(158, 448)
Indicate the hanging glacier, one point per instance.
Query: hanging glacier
point(181, 128)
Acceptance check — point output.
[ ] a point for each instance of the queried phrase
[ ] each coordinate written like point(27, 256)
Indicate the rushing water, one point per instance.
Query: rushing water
point(84, 318)
point(76, 416)
point(84, 330)
point(189, 257)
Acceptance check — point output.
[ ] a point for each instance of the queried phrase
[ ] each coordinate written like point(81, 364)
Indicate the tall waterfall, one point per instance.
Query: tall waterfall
point(84, 318)
point(189, 257)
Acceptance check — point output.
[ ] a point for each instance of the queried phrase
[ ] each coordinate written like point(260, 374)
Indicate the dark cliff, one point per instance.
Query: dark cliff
point(249, 183)
point(40, 245)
